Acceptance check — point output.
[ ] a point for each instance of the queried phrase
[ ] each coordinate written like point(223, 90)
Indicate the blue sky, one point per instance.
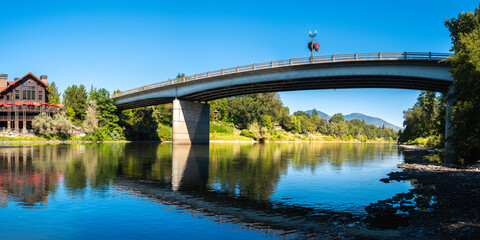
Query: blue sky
point(126, 44)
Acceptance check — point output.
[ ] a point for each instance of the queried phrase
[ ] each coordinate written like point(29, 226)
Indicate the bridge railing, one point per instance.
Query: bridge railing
point(387, 56)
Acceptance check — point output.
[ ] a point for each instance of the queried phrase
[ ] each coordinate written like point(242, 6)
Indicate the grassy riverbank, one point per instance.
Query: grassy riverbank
point(49, 139)
point(283, 136)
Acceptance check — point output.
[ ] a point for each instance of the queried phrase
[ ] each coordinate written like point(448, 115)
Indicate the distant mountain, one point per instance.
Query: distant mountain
point(378, 122)
point(320, 114)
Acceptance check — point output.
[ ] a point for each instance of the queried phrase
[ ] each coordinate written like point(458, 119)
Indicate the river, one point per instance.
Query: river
point(218, 191)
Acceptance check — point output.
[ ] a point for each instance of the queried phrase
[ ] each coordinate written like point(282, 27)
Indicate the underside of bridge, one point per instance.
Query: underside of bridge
point(343, 82)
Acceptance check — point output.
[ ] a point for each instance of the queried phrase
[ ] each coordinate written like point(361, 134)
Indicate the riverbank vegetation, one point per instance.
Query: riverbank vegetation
point(465, 117)
point(425, 121)
point(263, 117)
point(253, 117)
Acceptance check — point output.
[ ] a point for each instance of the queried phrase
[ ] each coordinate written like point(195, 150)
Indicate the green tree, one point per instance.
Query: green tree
point(337, 118)
point(105, 108)
point(266, 121)
point(163, 113)
point(246, 109)
point(180, 75)
point(425, 119)
point(90, 124)
point(54, 95)
point(108, 127)
point(75, 97)
point(465, 117)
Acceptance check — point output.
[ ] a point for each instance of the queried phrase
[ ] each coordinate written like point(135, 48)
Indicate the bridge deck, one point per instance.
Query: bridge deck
point(380, 59)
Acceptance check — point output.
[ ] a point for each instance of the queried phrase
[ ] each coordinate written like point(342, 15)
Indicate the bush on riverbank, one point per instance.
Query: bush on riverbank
point(164, 132)
point(222, 128)
point(430, 142)
point(45, 125)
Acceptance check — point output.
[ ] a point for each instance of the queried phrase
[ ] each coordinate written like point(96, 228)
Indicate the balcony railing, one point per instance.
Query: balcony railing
point(31, 108)
point(18, 118)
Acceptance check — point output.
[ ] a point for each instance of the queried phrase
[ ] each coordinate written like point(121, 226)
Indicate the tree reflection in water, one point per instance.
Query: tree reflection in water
point(242, 176)
point(249, 170)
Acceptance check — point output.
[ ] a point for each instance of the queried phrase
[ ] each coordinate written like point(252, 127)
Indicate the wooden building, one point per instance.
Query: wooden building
point(23, 99)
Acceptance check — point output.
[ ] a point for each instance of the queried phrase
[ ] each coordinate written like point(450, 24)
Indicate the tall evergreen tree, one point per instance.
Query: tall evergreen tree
point(75, 98)
point(54, 96)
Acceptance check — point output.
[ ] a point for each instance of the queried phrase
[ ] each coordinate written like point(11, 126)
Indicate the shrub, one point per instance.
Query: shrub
point(435, 142)
point(246, 133)
point(254, 129)
point(91, 121)
point(108, 132)
point(265, 133)
point(61, 125)
point(42, 124)
point(164, 132)
point(221, 128)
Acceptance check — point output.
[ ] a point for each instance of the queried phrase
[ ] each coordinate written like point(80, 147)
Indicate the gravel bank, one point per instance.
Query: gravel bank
point(444, 203)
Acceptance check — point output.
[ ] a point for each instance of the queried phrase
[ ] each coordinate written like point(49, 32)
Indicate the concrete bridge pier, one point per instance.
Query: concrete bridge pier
point(191, 123)
point(450, 156)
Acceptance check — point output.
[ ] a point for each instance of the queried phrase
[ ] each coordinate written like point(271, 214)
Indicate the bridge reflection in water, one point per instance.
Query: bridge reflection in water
point(189, 166)
point(227, 183)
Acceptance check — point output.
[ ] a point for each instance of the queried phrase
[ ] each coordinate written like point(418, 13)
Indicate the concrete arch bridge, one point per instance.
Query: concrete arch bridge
point(190, 94)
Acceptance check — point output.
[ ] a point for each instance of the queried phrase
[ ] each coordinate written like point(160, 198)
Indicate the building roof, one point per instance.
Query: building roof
point(11, 84)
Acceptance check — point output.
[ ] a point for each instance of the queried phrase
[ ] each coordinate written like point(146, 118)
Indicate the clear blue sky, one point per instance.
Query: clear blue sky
point(126, 44)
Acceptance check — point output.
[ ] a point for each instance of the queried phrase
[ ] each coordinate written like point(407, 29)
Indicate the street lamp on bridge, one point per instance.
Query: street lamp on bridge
point(313, 45)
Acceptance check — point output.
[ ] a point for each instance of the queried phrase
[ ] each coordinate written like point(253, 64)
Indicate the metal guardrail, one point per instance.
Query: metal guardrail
point(387, 56)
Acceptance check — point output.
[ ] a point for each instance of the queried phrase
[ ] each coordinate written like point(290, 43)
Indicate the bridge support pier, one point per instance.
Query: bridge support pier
point(191, 123)
point(450, 156)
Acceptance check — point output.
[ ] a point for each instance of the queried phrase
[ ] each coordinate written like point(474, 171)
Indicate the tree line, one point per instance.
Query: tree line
point(94, 112)
point(425, 121)
point(255, 114)
point(259, 113)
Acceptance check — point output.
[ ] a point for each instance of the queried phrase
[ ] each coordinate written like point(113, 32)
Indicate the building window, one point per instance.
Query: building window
point(28, 93)
point(40, 95)
point(8, 97)
point(17, 94)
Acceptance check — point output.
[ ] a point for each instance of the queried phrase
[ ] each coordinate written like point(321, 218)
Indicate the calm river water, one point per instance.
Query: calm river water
point(160, 191)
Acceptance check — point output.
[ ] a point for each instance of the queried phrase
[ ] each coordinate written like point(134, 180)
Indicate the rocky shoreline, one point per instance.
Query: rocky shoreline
point(444, 203)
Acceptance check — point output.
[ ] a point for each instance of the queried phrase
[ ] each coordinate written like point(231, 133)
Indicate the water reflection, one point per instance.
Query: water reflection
point(30, 173)
point(21, 182)
point(189, 166)
point(240, 181)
